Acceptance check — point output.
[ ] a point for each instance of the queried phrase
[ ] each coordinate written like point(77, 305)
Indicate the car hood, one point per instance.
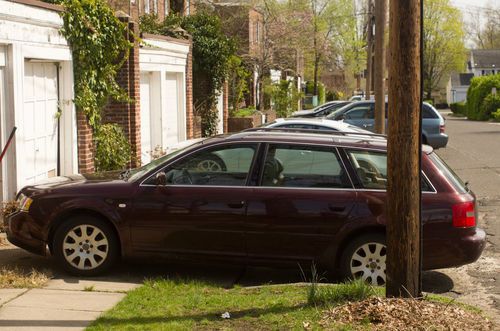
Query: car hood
point(69, 181)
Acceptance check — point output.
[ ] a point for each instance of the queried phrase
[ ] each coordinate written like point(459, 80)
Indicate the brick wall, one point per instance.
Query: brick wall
point(190, 127)
point(85, 144)
point(236, 124)
point(127, 114)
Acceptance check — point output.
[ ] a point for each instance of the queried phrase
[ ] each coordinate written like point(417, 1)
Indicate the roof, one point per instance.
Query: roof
point(486, 58)
point(461, 79)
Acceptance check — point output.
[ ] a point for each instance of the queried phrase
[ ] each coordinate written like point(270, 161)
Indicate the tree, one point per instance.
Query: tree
point(484, 28)
point(444, 49)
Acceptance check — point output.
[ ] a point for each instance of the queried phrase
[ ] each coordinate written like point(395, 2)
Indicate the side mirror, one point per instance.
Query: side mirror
point(341, 117)
point(161, 178)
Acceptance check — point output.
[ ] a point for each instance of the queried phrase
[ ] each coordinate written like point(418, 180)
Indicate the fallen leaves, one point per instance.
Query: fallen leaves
point(404, 314)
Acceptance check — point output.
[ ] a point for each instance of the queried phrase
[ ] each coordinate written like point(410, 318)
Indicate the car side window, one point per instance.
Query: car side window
point(371, 168)
point(361, 112)
point(222, 166)
point(303, 166)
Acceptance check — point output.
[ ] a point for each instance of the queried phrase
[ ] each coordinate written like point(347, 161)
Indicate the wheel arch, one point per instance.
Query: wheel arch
point(81, 212)
point(352, 235)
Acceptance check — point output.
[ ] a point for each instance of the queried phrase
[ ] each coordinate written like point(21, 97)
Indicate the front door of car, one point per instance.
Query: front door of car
point(361, 115)
point(196, 205)
point(304, 198)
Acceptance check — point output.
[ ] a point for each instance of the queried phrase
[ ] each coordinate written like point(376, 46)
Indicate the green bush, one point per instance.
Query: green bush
point(332, 96)
point(112, 150)
point(285, 97)
point(496, 115)
point(479, 105)
point(491, 104)
point(429, 101)
point(458, 108)
point(243, 112)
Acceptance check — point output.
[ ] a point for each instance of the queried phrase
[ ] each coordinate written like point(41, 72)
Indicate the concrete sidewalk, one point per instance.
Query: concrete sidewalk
point(61, 305)
point(64, 303)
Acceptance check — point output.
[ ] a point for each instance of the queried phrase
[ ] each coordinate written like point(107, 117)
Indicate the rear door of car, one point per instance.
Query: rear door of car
point(303, 197)
point(201, 208)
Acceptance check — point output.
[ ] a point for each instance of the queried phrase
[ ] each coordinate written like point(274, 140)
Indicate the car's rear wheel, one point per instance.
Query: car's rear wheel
point(365, 258)
point(85, 246)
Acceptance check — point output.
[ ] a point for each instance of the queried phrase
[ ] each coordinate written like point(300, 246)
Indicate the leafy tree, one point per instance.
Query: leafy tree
point(444, 49)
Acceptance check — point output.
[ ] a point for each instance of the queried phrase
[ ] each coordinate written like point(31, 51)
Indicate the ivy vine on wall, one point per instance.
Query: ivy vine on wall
point(100, 47)
point(212, 51)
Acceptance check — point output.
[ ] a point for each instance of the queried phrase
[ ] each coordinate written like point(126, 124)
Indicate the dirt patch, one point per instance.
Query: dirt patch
point(404, 314)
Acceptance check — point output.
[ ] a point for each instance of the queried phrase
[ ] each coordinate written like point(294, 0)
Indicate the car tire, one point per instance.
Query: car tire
point(85, 246)
point(365, 258)
point(211, 163)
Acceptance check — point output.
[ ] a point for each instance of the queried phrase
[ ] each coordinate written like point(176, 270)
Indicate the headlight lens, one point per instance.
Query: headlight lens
point(24, 202)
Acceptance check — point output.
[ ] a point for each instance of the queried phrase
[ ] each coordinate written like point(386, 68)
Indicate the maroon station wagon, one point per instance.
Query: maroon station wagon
point(261, 197)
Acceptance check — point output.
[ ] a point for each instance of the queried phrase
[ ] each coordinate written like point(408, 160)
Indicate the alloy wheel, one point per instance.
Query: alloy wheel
point(368, 263)
point(85, 247)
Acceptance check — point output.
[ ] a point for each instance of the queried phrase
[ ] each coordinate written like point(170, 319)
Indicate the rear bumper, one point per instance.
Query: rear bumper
point(19, 228)
point(437, 141)
point(453, 252)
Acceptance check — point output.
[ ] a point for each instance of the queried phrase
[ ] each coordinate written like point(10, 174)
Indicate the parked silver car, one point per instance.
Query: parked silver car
point(362, 114)
point(315, 124)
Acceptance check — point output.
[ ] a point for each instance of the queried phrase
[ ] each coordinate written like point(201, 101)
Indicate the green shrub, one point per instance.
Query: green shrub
point(429, 101)
point(112, 150)
point(332, 96)
point(321, 93)
point(285, 97)
point(479, 105)
point(496, 115)
point(458, 108)
point(243, 112)
point(491, 104)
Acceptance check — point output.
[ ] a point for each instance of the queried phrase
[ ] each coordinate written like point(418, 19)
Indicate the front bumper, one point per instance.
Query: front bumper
point(453, 252)
point(20, 228)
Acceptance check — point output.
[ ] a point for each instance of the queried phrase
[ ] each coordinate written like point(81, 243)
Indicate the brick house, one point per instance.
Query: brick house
point(36, 84)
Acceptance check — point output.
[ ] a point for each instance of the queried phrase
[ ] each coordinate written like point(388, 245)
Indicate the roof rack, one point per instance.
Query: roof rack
point(314, 131)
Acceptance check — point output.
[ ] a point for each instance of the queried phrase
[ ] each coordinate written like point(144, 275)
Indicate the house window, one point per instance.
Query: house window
point(146, 6)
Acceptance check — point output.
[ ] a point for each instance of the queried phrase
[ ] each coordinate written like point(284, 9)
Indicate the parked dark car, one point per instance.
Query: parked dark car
point(257, 197)
point(322, 110)
point(362, 114)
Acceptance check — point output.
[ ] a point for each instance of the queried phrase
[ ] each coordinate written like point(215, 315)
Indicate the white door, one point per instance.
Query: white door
point(171, 124)
point(146, 143)
point(39, 123)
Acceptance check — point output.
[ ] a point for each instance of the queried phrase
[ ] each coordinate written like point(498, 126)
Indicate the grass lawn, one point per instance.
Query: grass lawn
point(181, 305)
point(185, 305)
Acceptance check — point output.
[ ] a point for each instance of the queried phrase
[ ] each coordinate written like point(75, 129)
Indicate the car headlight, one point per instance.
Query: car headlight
point(24, 202)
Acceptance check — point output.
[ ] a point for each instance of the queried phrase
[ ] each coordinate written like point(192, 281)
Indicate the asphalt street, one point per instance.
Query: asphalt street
point(473, 152)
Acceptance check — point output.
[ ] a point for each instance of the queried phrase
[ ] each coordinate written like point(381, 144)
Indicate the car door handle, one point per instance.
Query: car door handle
point(367, 125)
point(236, 205)
point(336, 209)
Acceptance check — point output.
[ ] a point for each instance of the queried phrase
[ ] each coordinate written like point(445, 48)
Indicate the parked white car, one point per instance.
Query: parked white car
point(315, 124)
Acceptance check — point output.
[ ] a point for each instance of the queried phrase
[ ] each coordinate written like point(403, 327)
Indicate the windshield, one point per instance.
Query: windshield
point(134, 174)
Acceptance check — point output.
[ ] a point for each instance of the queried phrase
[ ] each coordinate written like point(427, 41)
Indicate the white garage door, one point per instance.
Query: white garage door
point(171, 125)
point(146, 143)
point(39, 123)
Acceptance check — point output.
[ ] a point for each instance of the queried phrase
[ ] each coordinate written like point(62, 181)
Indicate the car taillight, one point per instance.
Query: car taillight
point(464, 215)
point(441, 128)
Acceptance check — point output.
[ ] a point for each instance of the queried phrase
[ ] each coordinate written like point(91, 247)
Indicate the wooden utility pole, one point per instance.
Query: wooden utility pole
point(403, 151)
point(379, 77)
point(369, 47)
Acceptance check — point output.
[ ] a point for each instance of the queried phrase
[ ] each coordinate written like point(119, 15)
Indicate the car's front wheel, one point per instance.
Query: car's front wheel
point(85, 246)
point(365, 258)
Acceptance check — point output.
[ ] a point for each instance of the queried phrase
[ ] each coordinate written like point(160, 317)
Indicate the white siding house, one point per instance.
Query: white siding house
point(36, 92)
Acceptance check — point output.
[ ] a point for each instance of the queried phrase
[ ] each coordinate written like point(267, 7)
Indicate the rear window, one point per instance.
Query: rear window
point(448, 173)
point(429, 112)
